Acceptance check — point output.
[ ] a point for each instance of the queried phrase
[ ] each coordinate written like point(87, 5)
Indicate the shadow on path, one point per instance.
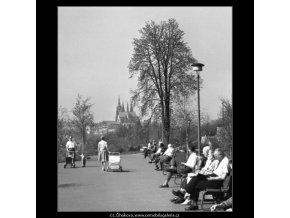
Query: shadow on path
point(124, 171)
point(67, 185)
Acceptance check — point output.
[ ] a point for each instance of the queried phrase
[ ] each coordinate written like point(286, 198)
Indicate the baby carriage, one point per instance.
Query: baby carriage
point(114, 161)
point(69, 159)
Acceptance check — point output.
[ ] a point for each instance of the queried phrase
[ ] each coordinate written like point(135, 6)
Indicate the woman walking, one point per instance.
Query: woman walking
point(103, 153)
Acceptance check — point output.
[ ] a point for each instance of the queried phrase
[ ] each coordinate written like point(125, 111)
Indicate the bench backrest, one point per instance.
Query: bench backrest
point(227, 182)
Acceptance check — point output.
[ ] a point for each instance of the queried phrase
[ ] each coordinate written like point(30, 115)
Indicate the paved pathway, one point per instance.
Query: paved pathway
point(134, 189)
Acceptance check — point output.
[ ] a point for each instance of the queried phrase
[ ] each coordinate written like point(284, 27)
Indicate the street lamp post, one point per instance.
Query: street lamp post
point(187, 139)
point(198, 67)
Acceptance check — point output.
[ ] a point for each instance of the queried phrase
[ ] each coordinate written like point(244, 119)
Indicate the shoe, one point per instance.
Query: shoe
point(177, 193)
point(191, 207)
point(173, 199)
point(187, 202)
point(179, 200)
point(164, 186)
point(150, 161)
point(172, 170)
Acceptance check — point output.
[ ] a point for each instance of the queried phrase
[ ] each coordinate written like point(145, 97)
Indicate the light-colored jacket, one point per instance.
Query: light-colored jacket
point(169, 152)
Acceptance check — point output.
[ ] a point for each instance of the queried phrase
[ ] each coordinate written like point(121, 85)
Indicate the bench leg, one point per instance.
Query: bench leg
point(202, 199)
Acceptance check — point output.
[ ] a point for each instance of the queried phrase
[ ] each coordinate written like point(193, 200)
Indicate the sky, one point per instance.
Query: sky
point(95, 47)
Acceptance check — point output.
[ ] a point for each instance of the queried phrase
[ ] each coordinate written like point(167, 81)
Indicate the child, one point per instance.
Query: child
point(84, 159)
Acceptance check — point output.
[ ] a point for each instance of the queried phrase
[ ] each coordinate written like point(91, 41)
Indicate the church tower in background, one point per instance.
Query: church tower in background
point(127, 118)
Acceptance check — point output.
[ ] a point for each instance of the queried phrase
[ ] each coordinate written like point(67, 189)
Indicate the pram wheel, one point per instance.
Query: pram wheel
point(64, 166)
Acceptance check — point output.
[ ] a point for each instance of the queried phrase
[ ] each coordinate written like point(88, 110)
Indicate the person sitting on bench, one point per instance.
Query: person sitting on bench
point(166, 157)
point(154, 158)
point(183, 168)
point(208, 169)
point(201, 182)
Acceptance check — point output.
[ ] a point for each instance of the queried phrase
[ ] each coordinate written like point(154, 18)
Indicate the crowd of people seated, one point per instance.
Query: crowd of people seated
point(199, 173)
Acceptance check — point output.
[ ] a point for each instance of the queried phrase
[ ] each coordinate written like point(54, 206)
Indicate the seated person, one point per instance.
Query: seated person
point(152, 150)
point(224, 206)
point(183, 168)
point(165, 157)
point(157, 153)
point(214, 180)
point(208, 169)
point(147, 150)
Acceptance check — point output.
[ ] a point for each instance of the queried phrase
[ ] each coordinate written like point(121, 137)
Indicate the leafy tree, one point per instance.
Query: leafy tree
point(160, 59)
point(63, 127)
point(83, 117)
point(225, 134)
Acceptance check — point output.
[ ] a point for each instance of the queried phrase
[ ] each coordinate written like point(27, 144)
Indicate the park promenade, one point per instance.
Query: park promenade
point(134, 189)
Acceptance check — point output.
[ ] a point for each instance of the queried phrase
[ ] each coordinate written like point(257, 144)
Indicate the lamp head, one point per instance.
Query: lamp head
point(197, 66)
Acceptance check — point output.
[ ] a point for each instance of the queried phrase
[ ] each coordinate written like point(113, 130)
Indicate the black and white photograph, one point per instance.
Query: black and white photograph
point(145, 109)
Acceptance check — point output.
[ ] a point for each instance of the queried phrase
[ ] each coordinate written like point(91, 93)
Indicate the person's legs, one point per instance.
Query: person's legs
point(202, 185)
point(165, 159)
point(184, 170)
point(74, 158)
point(145, 152)
point(173, 163)
point(152, 157)
point(156, 161)
point(84, 161)
point(161, 160)
point(169, 175)
point(193, 182)
point(104, 165)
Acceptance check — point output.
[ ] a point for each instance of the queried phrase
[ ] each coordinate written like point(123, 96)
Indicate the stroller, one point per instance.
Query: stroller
point(70, 158)
point(114, 161)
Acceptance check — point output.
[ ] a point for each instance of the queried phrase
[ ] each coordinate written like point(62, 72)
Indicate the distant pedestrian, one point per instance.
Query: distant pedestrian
point(70, 151)
point(103, 152)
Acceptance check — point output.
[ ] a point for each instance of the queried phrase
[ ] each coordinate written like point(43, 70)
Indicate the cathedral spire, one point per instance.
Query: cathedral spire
point(119, 102)
point(123, 108)
point(127, 107)
point(131, 109)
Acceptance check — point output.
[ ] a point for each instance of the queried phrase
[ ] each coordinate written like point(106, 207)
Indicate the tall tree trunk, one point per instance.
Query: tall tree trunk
point(84, 142)
point(167, 121)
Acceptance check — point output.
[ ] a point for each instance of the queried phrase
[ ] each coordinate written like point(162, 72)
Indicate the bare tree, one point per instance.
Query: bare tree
point(83, 118)
point(160, 59)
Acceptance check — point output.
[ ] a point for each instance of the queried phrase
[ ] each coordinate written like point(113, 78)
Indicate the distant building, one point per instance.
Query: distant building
point(125, 118)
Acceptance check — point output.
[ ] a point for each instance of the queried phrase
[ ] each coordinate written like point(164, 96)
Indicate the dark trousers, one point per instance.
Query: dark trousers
point(145, 152)
point(199, 183)
point(164, 159)
point(183, 183)
point(202, 185)
point(180, 169)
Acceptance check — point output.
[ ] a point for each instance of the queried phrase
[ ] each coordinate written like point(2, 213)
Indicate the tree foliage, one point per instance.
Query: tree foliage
point(83, 117)
point(63, 127)
point(160, 59)
point(225, 135)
